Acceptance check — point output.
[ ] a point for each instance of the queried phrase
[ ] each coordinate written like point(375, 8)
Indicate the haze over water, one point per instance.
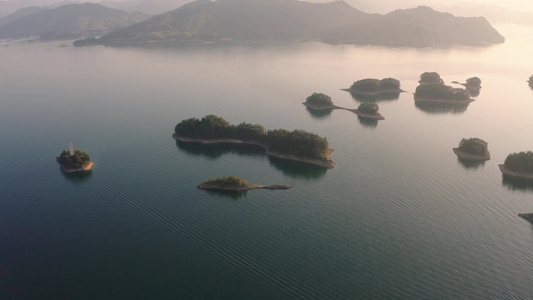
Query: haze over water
point(399, 217)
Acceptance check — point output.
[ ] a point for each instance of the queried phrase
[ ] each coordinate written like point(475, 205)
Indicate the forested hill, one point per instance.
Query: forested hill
point(334, 22)
point(70, 21)
point(418, 27)
point(241, 20)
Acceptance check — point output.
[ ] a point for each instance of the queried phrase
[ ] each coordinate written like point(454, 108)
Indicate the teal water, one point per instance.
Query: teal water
point(399, 217)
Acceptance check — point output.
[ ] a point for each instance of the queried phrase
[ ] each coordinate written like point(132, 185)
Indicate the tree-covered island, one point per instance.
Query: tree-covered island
point(530, 81)
point(433, 89)
point(369, 110)
point(297, 145)
point(75, 161)
point(371, 86)
point(518, 165)
point(472, 149)
point(233, 183)
point(318, 102)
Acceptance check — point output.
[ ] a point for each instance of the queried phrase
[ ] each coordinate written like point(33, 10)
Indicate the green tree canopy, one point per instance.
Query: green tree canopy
point(473, 146)
point(520, 162)
point(431, 78)
point(473, 81)
point(229, 181)
point(319, 99)
point(371, 85)
point(76, 161)
point(368, 108)
point(441, 91)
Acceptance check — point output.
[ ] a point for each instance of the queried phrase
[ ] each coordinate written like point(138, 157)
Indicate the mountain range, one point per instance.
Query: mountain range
point(292, 20)
point(69, 21)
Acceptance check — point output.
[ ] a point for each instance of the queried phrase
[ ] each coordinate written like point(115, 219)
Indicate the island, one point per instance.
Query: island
point(374, 87)
point(528, 217)
point(233, 183)
point(297, 145)
point(433, 90)
point(74, 161)
point(472, 149)
point(530, 81)
point(518, 165)
point(320, 102)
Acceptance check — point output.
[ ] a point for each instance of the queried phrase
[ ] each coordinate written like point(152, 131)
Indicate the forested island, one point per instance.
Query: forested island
point(530, 81)
point(528, 217)
point(432, 89)
point(297, 145)
point(233, 183)
point(518, 165)
point(472, 149)
point(75, 161)
point(371, 86)
point(319, 102)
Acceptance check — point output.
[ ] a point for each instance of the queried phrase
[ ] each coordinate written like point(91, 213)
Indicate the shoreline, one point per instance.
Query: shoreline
point(444, 101)
point(528, 217)
point(328, 163)
point(377, 116)
point(215, 187)
point(374, 93)
point(515, 174)
point(465, 155)
point(87, 168)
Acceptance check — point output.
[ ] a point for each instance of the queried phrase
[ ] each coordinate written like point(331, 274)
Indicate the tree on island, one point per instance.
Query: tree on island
point(431, 78)
point(520, 162)
point(530, 81)
point(77, 161)
point(371, 85)
point(228, 181)
point(473, 146)
point(473, 82)
point(298, 142)
point(441, 91)
point(368, 108)
point(319, 99)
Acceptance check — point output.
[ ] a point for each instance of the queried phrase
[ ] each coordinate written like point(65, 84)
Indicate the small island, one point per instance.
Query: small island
point(371, 86)
point(530, 81)
point(233, 183)
point(433, 90)
point(74, 161)
point(518, 165)
point(528, 217)
point(297, 145)
point(320, 102)
point(472, 149)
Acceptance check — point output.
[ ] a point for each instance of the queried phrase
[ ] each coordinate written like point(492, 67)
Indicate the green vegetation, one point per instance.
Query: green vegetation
point(473, 82)
point(441, 91)
point(531, 81)
point(371, 85)
point(319, 99)
point(229, 181)
point(368, 108)
point(298, 142)
point(520, 162)
point(76, 161)
point(431, 78)
point(473, 146)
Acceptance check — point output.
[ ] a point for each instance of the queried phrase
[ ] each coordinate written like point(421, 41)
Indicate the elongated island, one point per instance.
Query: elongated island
point(74, 161)
point(233, 183)
point(374, 87)
point(297, 145)
point(433, 90)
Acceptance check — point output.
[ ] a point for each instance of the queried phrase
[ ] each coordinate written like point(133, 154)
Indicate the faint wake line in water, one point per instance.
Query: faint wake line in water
point(510, 132)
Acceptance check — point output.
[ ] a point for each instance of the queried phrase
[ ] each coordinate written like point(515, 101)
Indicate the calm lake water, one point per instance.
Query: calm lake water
point(399, 217)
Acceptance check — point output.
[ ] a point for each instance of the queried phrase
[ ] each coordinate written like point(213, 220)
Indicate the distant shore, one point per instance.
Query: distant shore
point(515, 174)
point(327, 163)
point(470, 156)
point(376, 116)
point(217, 187)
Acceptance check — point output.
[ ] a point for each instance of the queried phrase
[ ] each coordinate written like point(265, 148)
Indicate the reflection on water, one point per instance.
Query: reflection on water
point(517, 184)
point(375, 98)
point(367, 122)
point(215, 151)
point(296, 169)
point(441, 108)
point(319, 114)
point(471, 164)
point(77, 177)
point(234, 195)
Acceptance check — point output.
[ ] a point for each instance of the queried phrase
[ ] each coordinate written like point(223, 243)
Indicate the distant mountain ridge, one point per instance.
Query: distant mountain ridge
point(290, 20)
point(70, 21)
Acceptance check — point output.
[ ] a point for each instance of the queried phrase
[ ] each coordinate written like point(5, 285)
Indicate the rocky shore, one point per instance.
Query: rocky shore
point(514, 174)
point(470, 156)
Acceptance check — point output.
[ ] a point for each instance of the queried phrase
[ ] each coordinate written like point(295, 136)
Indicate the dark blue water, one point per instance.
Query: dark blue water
point(399, 217)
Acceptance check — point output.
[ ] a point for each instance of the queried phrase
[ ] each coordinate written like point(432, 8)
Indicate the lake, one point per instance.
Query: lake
point(399, 217)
